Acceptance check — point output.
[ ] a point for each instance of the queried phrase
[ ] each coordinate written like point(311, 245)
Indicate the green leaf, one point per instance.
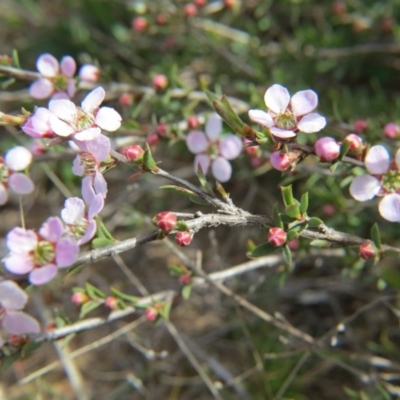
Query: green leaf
point(287, 256)
point(127, 297)
point(166, 310)
point(203, 180)
point(29, 348)
point(314, 222)
point(376, 236)
point(320, 244)
point(180, 190)
point(148, 160)
point(101, 242)
point(93, 292)
point(181, 226)
point(10, 361)
point(102, 231)
point(287, 195)
point(304, 203)
point(263, 250)
point(186, 291)
point(88, 307)
point(15, 59)
point(221, 190)
point(199, 200)
point(293, 210)
point(292, 234)
point(211, 96)
point(276, 217)
point(344, 148)
point(333, 167)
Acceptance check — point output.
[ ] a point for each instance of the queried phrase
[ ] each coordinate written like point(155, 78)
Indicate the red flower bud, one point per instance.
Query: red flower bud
point(193, 122)
point(111, 302)
point(152, 138)
point(140, 24)
point(184, 279)
point(367, 250)
point(391, 130)
point(133, 153)
point(161, 19)
point(276, 236)
point(160, 82)
point(126, 99)
point(229, 3)
point(162, 129)
point(183, 238)
point(360, 125)
point(166, 220)
point(200, 3)
point(280, 161)
point(354, 140)
point(151, 314)
point(79, 298)
point(190, 10)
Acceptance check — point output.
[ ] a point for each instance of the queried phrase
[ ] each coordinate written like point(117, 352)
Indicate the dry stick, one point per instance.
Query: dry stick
point(182, 345)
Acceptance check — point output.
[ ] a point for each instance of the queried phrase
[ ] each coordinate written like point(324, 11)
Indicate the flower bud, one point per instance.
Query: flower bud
point(229, 3)
point(160, 82)
point(183, 238)
point(126, 99)
point(185, 279)
point(166, 221)
point(152, 138)
point(190, 10)
point(79, 298)
point(151, 314)
point(328, 209)
point(193, 122)
point(133, 153)
point(18, 340)
point(280, 161)
point(162, 129)
point(161, 19)
point(391, 130)
point(89, 73)
point(276, 236)
point(367, 250)
point(111, 302)
point(354, 140)
point(140, 24)
point(339, 7)
point(360, 125)
point(327, 149)
point(294, 244)
point(200, 3)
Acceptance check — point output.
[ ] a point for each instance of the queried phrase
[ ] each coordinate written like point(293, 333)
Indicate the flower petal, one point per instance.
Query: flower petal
point(377, 160)
point(21, 184)
point(42, 275)
point(303, 102)
point(99, 147)
point(88, 134)
point(19, 323)
point(221, 169)
point(281, 133)
point(95, 206)
point(93, 100)
point(277, 98)
point(41, 88)
point(230, 146)
point(52, 229)
point(47, 65)
point(365, 187)
point(18, 158)
point(73, 211)
point(213, 127)
point(261, 117)
point(108, 119)
point(90, 231)
point(204, 161)
point(61, 128)
point(100, 184)
point(20, 240)
point(67, 251)
point(19, 263)
point(311, 123)
point(3, 195)
point(389, 207)
point(12, 297)
point(68, 66)
point(197, 142)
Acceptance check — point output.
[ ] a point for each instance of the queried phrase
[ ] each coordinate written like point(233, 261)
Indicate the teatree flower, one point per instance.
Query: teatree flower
point(212, 148)
point(288, 115)
point(40, 254)
point(85, 122)
point(17, 159)
point(38, 124)
point(383, 180)
point(14, 321)
point(57, 80)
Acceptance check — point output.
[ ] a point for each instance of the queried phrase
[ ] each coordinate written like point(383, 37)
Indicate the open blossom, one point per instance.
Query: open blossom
point(57, 78)
point(38, 124)
point(287, 115)
point(213, 149)
point(85, 122)
point(383, 180)
point(40, 254)
point(16, 159)
point(12, 320)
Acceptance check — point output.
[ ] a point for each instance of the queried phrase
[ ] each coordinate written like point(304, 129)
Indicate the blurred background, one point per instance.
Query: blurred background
point(348, 53)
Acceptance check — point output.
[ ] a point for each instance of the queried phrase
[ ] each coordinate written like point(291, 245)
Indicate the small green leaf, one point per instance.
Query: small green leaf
point(181, 226)
point(287, 195)
point(320, 244)
point(102, 231)
point(304, 203)
point(10, 361)
point(376, 236)
point(178, 189)
point(88, 307)
point(276, 217)
point(333, 167)
point(292, 234)
point(314, 222)
point(203, 180)
point(262, 250)
point(15, 59)
point(287, 256)
point(166, 310)
point(127, 297)
point(186, 291)
point(211, 96)
point(148, 160)
point(293, 210)
point(28, 348)
point(221, 190)
point(101, 242)
point(344, 148)
point(199, 200)
point(93, 292)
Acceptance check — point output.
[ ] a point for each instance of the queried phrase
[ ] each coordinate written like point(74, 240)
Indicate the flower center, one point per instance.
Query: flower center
point(286, 121)
point(61, 83)
point(88, 163)
point(85, 121)
point(78, 229)
point(213, 150)
point(391, 181)
point(43, 253)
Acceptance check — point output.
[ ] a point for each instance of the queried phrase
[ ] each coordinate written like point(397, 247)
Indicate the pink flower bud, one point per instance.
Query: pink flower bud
point(152, 138)
point(111, 302)
point(193, 122)
point(280, 161)
point(190, 10)
point(160, 82)
point(354, 140)
point(391, 130)
point(18, 340)
point(89, 73)
point(360, 125)
point(229, 3)
point(200, 3)
point(162, 129)
point(327, 149)
point(161, 19)
point(183, 238)
point(339, 7)
point(125, 99)
point(276, 236)
point(329, 209)
point(166, 220)
point(79, 298)
point(256, 162)
point(140, 24)
point(151, 314)
point(133, 153)
point(184, 279)
point(294, 244)
point(367, 250)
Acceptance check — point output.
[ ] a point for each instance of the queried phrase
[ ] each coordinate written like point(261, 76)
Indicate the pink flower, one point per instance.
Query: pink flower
point(383, 181)
point(89, 73)
point(212, 148)
point(17, 159)
point(85, 122)
point(286, 116)
point(57, 79)
point(40, 254)
point(14, 321)
point(38, 124)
